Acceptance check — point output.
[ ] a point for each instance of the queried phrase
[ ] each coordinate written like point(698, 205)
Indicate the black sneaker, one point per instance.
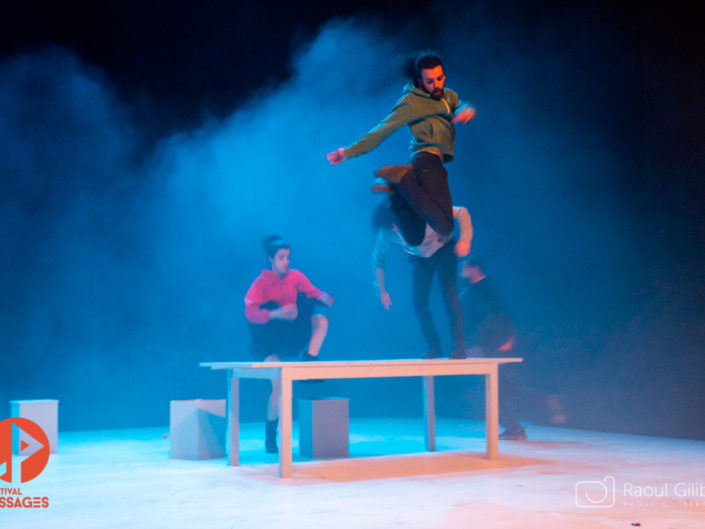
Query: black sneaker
point(394, 174)
point(306, 357)
point(515, 434)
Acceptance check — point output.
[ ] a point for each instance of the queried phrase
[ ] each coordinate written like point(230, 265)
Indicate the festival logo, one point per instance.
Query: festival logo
point(32, 443)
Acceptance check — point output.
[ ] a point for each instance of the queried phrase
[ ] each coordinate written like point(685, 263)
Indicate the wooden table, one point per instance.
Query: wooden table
point(287, 372)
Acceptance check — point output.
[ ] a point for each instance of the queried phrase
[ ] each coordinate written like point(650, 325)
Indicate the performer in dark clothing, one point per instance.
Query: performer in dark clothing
point(433, 255)
point(431, 111)
point(491, 332)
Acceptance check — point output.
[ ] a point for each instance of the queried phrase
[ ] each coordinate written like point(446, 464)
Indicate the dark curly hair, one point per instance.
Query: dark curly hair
point(413, 63)
point(273, 244)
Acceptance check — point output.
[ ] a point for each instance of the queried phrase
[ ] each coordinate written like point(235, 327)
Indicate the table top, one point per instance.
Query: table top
point(359, 363)
point(361, 368)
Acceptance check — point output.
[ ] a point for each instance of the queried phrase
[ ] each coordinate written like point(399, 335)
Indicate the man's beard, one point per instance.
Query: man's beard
point(436, 94)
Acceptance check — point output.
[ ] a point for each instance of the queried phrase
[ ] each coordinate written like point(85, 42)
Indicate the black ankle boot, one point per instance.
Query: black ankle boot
point(270, 442)
point(458, 354)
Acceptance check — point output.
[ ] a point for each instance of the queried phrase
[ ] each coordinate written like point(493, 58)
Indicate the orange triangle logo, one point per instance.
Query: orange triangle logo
point(23, 445)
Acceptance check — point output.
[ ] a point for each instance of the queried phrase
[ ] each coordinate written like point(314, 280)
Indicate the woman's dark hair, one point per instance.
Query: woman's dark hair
point(417, 61)
point(273, 244)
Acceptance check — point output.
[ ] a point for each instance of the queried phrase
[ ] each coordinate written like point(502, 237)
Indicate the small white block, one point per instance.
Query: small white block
point(44, 412)
point(324, 428)
point(197, 429)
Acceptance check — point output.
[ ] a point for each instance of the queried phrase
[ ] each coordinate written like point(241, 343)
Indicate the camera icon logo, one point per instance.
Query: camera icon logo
point(595, 494)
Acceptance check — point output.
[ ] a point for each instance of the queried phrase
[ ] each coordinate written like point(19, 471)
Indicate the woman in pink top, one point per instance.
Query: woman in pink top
point(286, 316)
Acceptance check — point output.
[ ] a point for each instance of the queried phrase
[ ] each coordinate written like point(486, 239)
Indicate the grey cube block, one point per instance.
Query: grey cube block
point(324, 428)
point(197, 429)
point(44, 412)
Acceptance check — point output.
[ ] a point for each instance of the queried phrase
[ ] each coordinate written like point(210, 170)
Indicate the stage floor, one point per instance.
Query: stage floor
point(559, 478)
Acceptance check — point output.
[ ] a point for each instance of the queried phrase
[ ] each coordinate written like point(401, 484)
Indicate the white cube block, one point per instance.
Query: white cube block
point(44, 412)
point(197, 429)
point(324, 427)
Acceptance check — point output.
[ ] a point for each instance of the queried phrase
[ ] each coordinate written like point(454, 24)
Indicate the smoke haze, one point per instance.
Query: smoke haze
point(124, 265)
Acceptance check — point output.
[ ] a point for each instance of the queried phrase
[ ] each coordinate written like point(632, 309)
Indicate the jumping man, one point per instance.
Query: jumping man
point(431, 111)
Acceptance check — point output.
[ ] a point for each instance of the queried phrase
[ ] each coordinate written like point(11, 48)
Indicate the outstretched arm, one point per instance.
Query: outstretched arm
point(305, 286)
point(384, 297)
point(401, 114)
point(462, 247)
point(384, 238)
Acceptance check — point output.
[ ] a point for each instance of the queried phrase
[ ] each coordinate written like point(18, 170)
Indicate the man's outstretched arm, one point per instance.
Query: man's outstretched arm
point(401, 114)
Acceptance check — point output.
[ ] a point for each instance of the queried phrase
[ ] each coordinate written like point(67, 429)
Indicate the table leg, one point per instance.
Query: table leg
point(232, 441)
point(285, 424)
point(492, 412)
point(429, 411)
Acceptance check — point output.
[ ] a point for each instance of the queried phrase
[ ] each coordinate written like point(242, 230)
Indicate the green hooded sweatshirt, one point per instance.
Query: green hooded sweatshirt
point(430, 121)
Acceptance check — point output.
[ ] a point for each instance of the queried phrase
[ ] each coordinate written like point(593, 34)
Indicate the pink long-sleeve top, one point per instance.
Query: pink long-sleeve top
point(283, 290)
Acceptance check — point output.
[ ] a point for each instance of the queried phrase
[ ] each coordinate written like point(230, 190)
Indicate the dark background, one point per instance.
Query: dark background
point(149, 147)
